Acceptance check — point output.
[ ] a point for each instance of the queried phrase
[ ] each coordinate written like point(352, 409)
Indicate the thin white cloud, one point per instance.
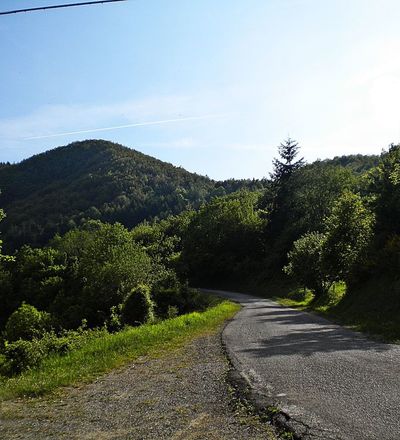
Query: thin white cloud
point(62, 120)
point(119, 127)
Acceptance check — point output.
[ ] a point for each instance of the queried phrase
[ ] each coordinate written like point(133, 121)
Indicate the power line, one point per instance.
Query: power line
point(68, 5)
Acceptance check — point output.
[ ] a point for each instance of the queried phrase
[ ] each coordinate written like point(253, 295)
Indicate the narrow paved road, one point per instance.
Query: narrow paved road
point(337, 382)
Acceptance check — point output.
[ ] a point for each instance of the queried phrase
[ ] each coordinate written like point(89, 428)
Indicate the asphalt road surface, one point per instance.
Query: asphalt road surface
point(336, 382)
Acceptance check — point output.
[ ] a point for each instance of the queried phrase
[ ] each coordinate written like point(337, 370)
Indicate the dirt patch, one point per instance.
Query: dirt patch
point(180, 395)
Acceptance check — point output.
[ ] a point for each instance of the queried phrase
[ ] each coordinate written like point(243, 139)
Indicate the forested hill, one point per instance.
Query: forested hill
point(358, 163)
point(95, 179)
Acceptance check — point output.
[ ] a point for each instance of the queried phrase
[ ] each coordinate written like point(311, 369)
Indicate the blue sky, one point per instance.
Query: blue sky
point(239, 76)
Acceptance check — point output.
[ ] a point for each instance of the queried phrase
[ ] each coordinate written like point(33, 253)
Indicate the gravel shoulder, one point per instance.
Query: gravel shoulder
point(179, 395)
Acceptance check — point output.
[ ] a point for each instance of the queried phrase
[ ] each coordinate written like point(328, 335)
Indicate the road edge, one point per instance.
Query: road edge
point(287, 426)
point(266, 410)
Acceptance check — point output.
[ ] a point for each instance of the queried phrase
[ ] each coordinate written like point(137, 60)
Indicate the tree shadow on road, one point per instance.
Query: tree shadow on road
point(299, 333)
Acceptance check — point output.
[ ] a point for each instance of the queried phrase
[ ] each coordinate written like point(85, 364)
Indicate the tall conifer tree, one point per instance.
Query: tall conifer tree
point(286, 165)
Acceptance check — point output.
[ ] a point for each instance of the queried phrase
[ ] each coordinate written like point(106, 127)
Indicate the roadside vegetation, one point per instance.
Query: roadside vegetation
point(79, 297)
point(97, 352)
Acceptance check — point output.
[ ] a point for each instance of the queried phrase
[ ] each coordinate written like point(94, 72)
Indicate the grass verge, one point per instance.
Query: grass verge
point(114, 350)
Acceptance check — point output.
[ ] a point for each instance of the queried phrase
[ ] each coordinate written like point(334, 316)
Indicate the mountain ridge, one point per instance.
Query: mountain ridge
point(57, 190)
point(54, 191)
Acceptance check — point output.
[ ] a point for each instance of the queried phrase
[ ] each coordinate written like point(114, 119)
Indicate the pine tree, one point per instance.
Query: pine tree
point(279, 238)
point(284, 167)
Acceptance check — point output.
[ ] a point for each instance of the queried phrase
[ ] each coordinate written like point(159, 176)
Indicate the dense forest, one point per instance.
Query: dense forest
point(60, 189)
point(325, 227)
point(316, 226)
point(358, 163)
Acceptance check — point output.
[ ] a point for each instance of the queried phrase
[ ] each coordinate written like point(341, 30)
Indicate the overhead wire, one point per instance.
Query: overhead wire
point(59, 6)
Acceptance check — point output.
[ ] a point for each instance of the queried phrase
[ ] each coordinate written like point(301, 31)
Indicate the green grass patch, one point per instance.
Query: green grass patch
point(102, 354)
point(297, 298)
point(303, 299)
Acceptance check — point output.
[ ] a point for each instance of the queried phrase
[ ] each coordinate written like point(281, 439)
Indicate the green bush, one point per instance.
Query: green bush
point(196, 301)
point(181, 300)
point(27, 323)
point(21, 355)
point(138, 307)
point(166, 298)
point(51, 343)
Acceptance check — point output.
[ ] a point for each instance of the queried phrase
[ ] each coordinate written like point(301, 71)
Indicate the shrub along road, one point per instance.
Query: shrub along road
point(332, 382)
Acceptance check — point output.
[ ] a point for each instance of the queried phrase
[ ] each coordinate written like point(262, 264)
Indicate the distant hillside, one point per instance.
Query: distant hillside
point(358, 163)
point(95, 179)
point(61, 188)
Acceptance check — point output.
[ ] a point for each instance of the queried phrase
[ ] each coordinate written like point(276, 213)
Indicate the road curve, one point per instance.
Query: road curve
point(337, 382)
